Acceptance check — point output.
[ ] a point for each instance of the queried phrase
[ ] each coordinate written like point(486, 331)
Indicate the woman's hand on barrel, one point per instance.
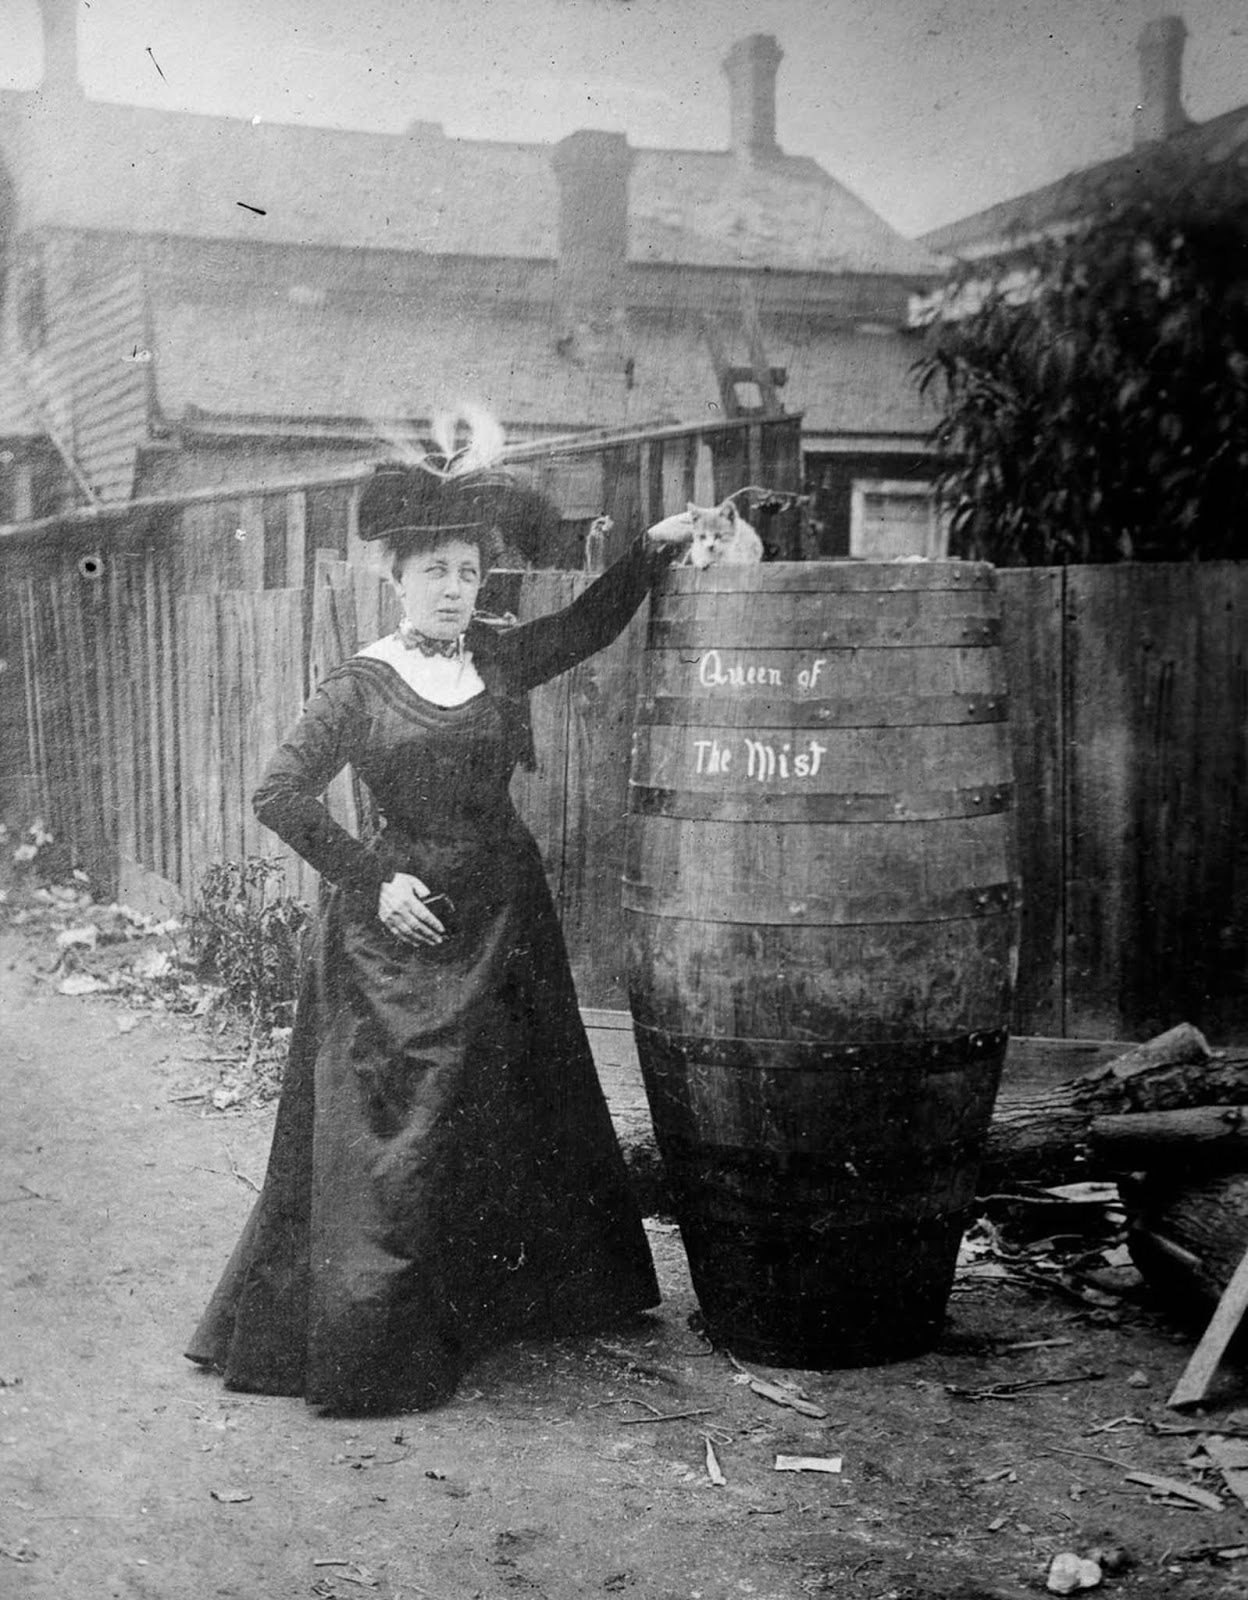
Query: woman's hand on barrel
point(677, 529)
point(401, 907)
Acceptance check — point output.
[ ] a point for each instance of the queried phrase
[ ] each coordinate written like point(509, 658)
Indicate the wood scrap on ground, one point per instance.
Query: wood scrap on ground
point(664, 1416)
point(713, 1469)
point(1176, 1489)
point(1197, 1376)
point(1230, 1456)
point(1234, 1425)
point(779, 1394)
point(1011, 1390)
point(785, 1397)
point(808, 1463)
point(1210, 1552)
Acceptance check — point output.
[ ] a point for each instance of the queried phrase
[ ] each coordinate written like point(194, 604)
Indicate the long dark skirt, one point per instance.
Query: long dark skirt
point(444, 1175)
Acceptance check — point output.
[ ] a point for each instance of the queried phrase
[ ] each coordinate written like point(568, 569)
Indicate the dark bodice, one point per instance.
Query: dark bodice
point(429, 768)
point(437, 773)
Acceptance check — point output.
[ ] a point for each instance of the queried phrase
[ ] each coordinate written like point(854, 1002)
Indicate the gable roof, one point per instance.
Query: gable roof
point(138, 170)
point(1221, 139)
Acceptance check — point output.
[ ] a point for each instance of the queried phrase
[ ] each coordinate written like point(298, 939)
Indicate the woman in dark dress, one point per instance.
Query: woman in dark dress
point(444, 1175)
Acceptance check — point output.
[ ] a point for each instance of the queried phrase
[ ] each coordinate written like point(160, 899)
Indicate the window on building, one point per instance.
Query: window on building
point(892, 517)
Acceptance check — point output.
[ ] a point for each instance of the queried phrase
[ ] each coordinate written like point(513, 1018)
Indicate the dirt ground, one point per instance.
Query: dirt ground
point(126, 1472)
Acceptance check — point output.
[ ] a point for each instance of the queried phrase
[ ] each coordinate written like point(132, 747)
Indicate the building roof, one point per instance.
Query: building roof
point(1221, 139)
point(253, 355)
point(100, 166)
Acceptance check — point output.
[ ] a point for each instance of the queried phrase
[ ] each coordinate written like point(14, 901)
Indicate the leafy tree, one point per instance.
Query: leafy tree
point(1095, 402)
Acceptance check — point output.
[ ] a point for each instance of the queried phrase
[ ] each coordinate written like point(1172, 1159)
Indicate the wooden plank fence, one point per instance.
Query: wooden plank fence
point(241, 675)
point(99, 691)
point(1155, 780)
point(137, 717)
point(142, 681)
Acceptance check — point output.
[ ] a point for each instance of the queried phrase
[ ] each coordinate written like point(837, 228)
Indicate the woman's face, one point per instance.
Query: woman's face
point(439, 587)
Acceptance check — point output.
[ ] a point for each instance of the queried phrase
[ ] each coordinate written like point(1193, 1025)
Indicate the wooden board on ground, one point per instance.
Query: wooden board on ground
point(1193, 1386)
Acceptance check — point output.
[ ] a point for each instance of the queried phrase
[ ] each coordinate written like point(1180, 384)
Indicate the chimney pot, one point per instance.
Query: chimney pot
point(1160, 112)
point(750, 67)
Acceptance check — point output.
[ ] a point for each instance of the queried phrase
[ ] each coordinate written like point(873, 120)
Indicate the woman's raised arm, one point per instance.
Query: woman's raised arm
point(547, 646)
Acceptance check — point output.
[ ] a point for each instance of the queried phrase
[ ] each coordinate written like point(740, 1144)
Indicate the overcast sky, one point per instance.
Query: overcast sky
point(928, 109)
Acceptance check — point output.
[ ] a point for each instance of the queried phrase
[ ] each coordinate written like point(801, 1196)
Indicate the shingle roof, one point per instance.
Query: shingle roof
point(156, 172)
point(264, 356)
point(1222, 138)
point(709, 209)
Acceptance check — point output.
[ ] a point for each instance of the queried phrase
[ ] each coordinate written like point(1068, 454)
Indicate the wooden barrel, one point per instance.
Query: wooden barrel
point(821, 900)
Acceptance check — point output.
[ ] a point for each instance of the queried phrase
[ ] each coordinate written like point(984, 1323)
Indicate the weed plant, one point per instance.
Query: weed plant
point(246, 935)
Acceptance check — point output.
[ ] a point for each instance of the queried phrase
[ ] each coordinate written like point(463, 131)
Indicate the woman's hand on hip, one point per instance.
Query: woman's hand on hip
point(401, 907)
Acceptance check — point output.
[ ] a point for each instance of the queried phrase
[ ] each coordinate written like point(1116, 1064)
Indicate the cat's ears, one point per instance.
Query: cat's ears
point(727, 509)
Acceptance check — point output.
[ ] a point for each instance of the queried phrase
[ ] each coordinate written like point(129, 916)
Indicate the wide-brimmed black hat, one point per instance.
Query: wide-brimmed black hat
point(407, 507)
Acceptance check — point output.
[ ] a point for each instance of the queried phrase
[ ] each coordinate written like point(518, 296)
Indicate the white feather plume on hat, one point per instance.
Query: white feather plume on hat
point(484, 447)
point(455, 477)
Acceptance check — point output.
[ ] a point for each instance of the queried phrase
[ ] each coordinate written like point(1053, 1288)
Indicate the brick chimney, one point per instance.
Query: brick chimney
point(592, 170)
point(60, 49)
point(750, 67)
point(1160, 110)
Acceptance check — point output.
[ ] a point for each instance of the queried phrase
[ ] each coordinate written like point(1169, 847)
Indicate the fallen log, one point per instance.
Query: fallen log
point(1044, 1135)
point(1148, 1139)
